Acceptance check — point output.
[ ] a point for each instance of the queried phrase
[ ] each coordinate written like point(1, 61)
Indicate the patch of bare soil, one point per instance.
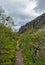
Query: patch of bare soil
point(19, 58)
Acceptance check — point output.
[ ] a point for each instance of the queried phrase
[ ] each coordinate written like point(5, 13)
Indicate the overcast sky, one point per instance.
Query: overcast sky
point(23, 11)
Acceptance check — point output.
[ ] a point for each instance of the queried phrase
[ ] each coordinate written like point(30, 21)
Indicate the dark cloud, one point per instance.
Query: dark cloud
point(41, 6)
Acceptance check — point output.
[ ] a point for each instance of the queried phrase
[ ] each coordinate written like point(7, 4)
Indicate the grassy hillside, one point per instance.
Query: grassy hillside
point(32, 45)
point(7, 45)
point(32, 41)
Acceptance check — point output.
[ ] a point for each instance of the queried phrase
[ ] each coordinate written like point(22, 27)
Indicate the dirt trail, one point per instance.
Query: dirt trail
point(18, 59)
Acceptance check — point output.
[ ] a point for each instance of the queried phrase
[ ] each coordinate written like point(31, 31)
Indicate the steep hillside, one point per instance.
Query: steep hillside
point(36, 24)
point(32, 45)
point(32, 41)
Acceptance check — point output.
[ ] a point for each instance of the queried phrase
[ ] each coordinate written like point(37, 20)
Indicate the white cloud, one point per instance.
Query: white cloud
point(21, 10)
point(23, 6)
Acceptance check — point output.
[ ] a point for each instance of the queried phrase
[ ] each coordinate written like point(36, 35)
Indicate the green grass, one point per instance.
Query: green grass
point(7, 45)
point(29, 41)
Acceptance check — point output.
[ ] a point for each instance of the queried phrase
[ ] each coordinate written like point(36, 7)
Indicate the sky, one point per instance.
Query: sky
point(23, 11)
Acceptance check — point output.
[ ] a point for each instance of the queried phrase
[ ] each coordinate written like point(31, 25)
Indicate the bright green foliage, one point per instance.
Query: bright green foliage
point(7, 45)
point(30, 41)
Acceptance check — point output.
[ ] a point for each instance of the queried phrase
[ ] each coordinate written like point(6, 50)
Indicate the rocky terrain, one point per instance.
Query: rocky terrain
point(36, 24)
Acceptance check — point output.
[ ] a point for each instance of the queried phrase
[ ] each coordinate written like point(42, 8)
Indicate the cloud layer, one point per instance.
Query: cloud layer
point(23, 11)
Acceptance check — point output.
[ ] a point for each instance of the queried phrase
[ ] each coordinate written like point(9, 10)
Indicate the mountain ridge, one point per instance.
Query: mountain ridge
point(36, 24)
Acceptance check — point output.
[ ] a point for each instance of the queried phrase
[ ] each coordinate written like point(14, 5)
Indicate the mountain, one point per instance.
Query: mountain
point(37, 23)
point(32, 41)
point(6, 19)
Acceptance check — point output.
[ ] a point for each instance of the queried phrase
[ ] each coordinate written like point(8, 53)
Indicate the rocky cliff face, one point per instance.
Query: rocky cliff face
point(36, 24)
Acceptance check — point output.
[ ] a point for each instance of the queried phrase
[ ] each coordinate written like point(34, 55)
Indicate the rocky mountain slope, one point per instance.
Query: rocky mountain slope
point(37, 23)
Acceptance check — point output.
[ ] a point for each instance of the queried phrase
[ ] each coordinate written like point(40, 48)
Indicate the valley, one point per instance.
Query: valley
point(25, 47)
